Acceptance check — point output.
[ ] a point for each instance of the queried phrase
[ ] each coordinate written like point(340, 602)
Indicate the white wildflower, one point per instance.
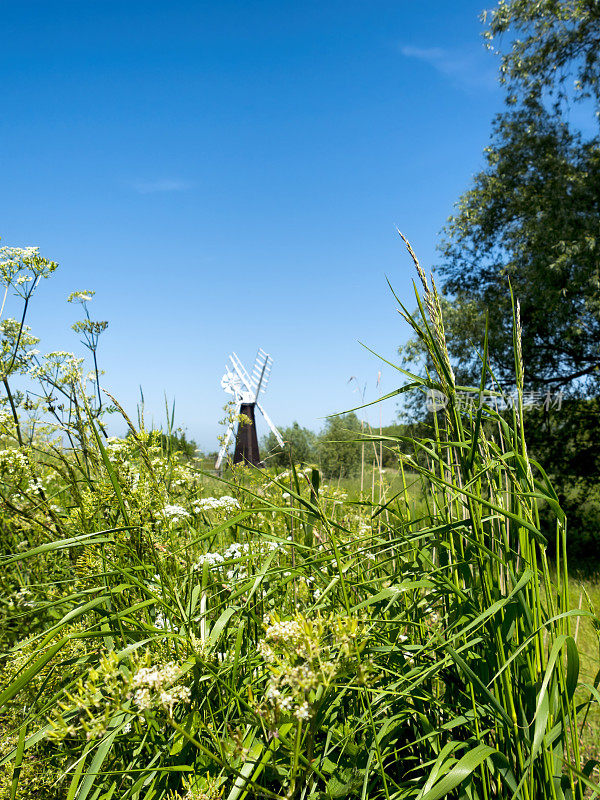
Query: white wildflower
point(175, 513)
point(303, 711)
point(225, 503)
point(161, 621)
point(212, 559)
point(236, 550)
point(152, 686)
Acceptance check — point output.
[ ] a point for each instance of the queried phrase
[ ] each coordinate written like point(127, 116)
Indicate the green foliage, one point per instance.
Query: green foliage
point(176, 442)
point(531, 217)
point(300, 447)
point(551, 41)
point(276, 640)
point(567, 442)
point(340, 446)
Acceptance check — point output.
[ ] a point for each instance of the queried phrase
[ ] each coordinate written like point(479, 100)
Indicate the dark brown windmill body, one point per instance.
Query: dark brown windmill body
point(246, 440)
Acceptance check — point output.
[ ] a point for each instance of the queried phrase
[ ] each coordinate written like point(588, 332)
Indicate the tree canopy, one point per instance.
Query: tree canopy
point(530, 220)
point(337, 448)
point(552, 41)
point(532, 216)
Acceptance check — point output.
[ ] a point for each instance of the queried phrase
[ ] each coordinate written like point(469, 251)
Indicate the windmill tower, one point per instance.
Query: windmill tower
point(246, 389)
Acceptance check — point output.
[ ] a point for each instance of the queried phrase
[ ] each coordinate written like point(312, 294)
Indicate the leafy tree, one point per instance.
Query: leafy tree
point(553, 40)
point(300, 446)
point(340, 446)
point(532, 217)
point(532, 214)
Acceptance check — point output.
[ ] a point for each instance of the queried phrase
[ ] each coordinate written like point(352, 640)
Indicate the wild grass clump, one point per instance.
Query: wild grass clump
point(274, 639)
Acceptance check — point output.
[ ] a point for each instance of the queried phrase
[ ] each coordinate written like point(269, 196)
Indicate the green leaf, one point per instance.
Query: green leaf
point(14, 785)
point(462, 770)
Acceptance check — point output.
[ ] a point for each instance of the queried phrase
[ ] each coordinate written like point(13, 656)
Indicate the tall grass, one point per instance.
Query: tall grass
point(284, 642)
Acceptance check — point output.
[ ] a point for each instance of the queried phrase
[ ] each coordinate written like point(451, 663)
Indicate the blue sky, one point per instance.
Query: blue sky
point(229, 175)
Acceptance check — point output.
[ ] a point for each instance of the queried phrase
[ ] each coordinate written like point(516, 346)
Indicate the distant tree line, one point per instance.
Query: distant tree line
point(340, 450)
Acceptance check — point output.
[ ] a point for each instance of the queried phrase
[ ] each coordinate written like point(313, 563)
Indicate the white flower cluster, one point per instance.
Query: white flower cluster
point(59, 365)
point(81, 297)
point(212, 559)
point(14, 259)
point(305, 472)
point(225, 503)
point(288, 632)
point(151, 687)
point(162, 622)
point(176, 513)
point(287, 703)
point(289, 686)
point(235, 551)
point(57, 354)
point(17, 254)
point(22, 599)
point(12, 461)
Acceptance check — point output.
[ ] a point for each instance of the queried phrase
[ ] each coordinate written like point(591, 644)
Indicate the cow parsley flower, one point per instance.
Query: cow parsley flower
point(176, 513)
point(225, 503)
point(81, 297)
point(236, 550)
point(151, 687)
point(212, 559)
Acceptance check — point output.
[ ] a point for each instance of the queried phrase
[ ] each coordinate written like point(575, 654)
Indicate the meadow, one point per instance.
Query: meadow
point(169, 634)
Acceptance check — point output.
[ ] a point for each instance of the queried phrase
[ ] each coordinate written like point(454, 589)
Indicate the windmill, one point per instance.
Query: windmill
point(246, 389)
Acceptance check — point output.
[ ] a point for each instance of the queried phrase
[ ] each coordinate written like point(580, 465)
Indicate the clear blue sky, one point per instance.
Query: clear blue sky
point(229, 175)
